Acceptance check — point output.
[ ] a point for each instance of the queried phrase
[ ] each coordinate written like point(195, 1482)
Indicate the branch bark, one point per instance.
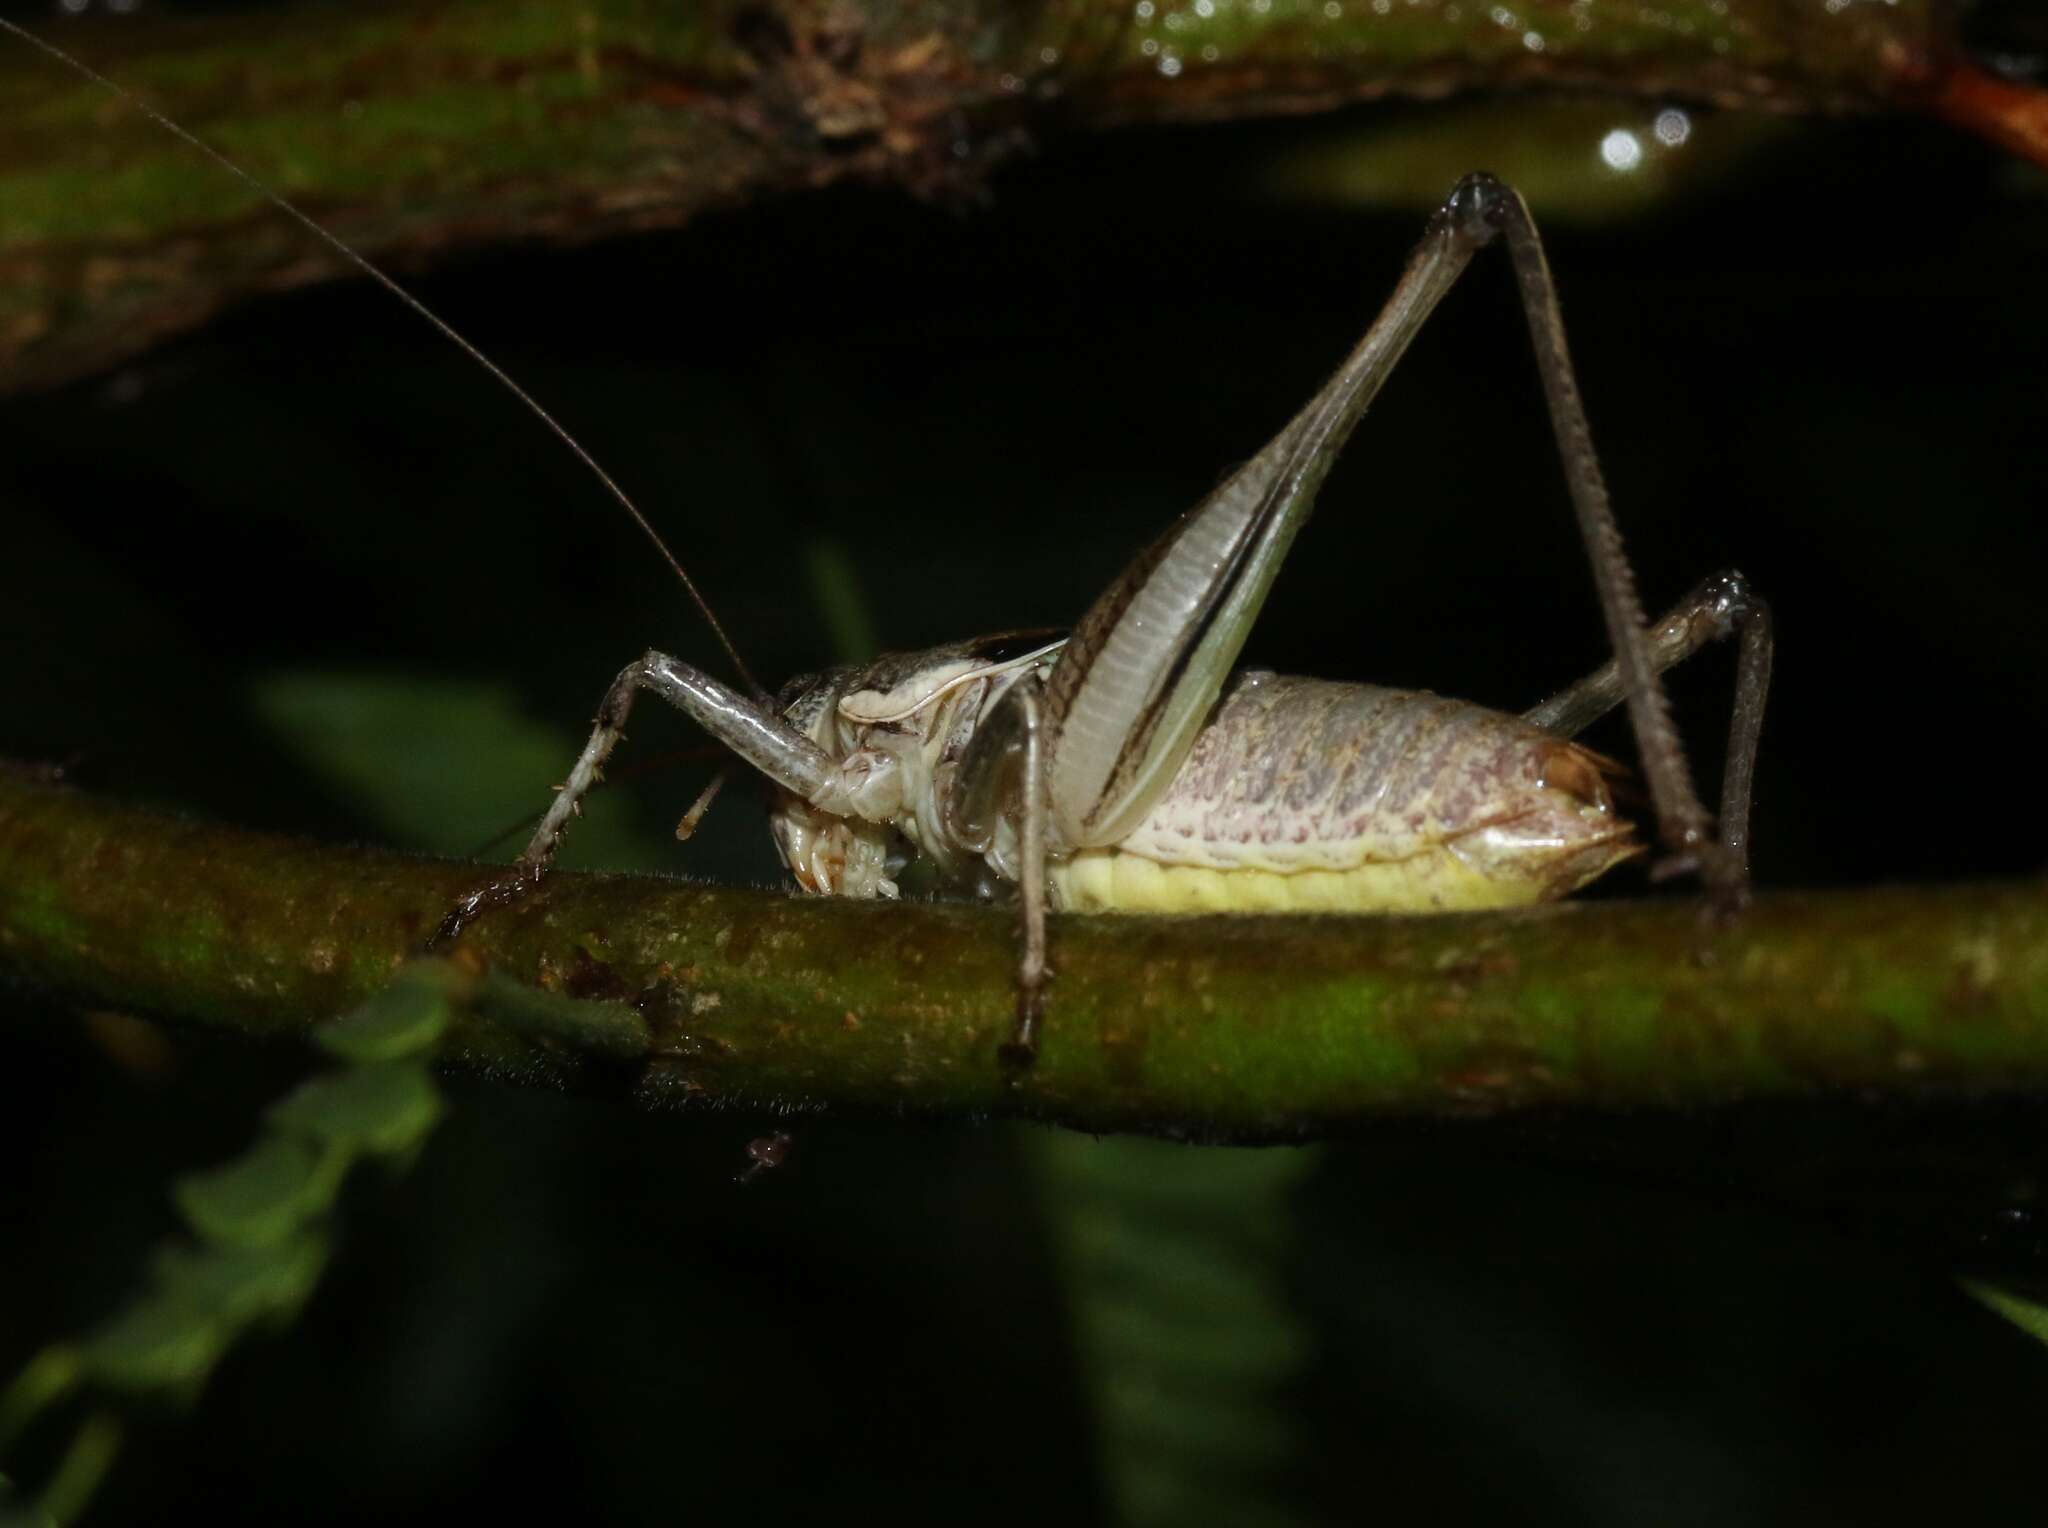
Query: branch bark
point(1213, 1028)
point(442, 125)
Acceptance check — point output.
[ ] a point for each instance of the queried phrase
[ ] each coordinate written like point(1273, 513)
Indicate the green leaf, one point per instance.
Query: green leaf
point(260, 1199)
point(161, 1342)
point(1175, 1261)
point(444, 766)
point(79, 1472)
point(587, 1024)
point(241, 1285)
point(2029, 1316)
point(47, 1377)
point(384, 1108)
point(405, 1019)
point(848, 614)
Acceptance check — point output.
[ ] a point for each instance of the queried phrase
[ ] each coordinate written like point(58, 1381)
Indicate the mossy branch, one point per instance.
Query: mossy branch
point(438, 126)
point(1219, 1028)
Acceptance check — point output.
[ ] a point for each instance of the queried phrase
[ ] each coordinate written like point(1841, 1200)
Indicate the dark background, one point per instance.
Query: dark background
point(1821, 364)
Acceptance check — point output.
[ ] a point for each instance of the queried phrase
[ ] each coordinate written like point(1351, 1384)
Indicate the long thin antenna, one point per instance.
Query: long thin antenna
point(391, 285)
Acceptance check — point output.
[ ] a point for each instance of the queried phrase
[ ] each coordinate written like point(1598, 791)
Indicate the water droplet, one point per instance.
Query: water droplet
point(1672, 127)
point(1622, 151)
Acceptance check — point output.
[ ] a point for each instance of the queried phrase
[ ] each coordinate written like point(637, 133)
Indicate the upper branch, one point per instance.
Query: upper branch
point(437, 126)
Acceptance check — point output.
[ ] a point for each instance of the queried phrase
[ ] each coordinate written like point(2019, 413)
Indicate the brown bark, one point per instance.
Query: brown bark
point(427, 129)
point(1213, 1028)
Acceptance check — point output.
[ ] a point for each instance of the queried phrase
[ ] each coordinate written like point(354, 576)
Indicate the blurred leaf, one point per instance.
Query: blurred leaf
point(1174, 1259)
point(161, 1342)
point(43, 1379)
point(238, 1285)
point(2029, 1316)
point(442, 765)
point(261, 1264)
point(383, 1108)
point(404, 1020)
point(609, 1029)
point(264, 1196)
point(843, 604)
point(79, 1473)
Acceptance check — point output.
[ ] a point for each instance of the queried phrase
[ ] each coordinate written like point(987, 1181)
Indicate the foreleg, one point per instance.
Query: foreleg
point(746, 726)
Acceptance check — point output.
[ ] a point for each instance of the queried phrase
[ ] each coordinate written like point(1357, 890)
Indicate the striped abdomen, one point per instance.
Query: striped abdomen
point(1302, 794)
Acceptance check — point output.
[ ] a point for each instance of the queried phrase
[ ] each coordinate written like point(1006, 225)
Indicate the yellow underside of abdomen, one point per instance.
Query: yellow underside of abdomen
point(1112, 880)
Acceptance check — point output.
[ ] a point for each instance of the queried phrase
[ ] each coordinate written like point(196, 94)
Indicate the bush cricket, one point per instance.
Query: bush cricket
point(1125, 767)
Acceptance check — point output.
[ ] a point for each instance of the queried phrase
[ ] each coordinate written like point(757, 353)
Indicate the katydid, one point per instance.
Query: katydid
point(1124, 766)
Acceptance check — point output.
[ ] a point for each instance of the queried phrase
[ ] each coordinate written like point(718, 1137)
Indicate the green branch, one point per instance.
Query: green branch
point(434, 127)
point(1221, 1028)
